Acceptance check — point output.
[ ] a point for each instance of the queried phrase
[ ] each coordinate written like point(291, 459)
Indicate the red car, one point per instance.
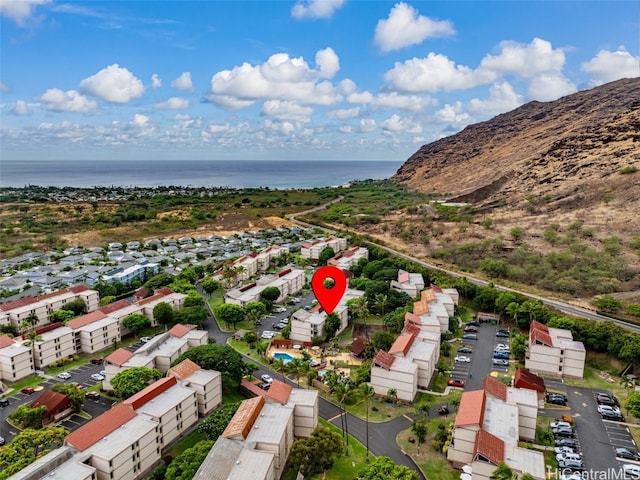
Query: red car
point(27, 390)
point(97, 361)
point(456, 383)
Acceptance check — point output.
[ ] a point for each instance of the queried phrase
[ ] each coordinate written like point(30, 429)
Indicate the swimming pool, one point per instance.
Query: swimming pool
point(285, 357)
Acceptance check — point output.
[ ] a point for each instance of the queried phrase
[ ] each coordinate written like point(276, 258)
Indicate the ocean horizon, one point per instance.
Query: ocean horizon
point(274, 174)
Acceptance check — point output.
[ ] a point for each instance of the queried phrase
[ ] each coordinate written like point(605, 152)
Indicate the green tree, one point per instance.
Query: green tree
point(130, 381)
point(229, 313)
point(382, 340)
point(419, 428)
point(76, 396)
point(633, 404)
point(381, 303)
point(194, 299)
point(317, 453)
point(607, 303)
point(209, 285)
point(28, 446)
point(26, 417)
point(326, 254)
point(366, 391)
point(298, 367)
point(383, 468)
point(503, 472)
point(270, 295)
point(185, 465)
point(136, 323)
point(221, 358)
point(61, 315)
point(331, 326)
point(77, 306)
point(254, 311)
point(107, 300)
point(214, 424)
point(191, 315)
point(163, 314)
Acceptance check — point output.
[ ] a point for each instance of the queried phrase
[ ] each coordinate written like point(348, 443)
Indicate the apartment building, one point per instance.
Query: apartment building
point(349, 257)
point(312, 250)
point(16, 360)
point(487, 428)
point(134, 272)
point(165, 295)
point(288, 281)
point(410, 283)
point(206, 383)
point(408, 365)
point(306, 324)
point(95, 332)
point(270, 254)
point(56, 343)
point(436, 305)
point(552, 351)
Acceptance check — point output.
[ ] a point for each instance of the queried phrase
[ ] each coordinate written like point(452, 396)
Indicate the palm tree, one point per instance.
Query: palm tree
point(343, 391)
point(365, 390)
point(31, 339)
point(30, 321)
point(280, 366)
point(392, 393)
point(297, 367)
point(381, 301)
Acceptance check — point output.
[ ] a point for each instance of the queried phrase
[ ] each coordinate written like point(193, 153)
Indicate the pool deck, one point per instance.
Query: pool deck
point(347, 358)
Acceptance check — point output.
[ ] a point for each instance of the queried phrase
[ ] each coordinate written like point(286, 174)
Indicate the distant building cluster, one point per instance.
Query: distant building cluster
point(552, 351)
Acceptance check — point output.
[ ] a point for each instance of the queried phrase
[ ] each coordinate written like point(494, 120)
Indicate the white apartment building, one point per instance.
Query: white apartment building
point(306, 324)
point(95, 331)
point(270, 254)
point(289, 281)
point(16, 360)
point(206, 383)
point(312, 250)
point(487, 428)
point(436, 305)
point(55, 345)
point(129, 274)
point(165, 295)
point(410, 283)
point(348, 258)
point(552, 351)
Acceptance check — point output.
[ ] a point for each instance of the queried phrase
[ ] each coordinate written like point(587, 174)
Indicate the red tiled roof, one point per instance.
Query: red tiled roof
point(164, 291)
point(21, 302)
point(489, 446)
point(248, 286)
point(471, 408)
point(141, 293)
point(54, 401)
point(421, 307)
point(428, 295)
point(384, 360)
point(99, 427)
point(525, 379)
point(282, 273)
point(150, 392)
point(179, 330)
point(252, 387)
point(403, 277)
point(411, 328)
point(436, 288)
point(279, 391)
point(117, 305)
point(6, 341)
point(535, 325)
point(495, 387)
point(119, 357)
point(48, 328)
point(402, 344)
point(53, 294)
point(86, 319)
point(412, 317)
point(541, 337)
point(152, 298)
point(358, 346)
point(79, 288)
point(244, 418)
point(184, 369)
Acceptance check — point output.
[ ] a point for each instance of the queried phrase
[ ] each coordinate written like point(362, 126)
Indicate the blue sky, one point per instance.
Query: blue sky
point(317, 80)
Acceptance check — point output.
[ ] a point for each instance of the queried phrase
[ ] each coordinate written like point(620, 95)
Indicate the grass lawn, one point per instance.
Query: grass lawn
point(187, 441)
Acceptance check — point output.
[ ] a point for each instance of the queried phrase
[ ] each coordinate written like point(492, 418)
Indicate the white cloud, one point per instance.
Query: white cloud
point(20, 10)
point(367, 125)
point(155, 81)
point(316, 8)
point(452, 114)
point(217, 128)
point(69, 101)
point(414, 103)
point(183, 82)
point(140, 121)
point(549, 86)
point(396, 124)
point(433, 73)
point(345, 129)
point(502, 98)
point(174, 103)
point(19, 108)
point(608, 66)
point(525, 60)
point(114, 84)
point(282, 128)
point(344, 114)
point(279, 78)
point(405, 27)
point(286, 111)
point(3, 87)
point(360, 97)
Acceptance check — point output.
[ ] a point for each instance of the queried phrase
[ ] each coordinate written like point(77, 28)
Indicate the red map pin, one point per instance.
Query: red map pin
point(329, 297)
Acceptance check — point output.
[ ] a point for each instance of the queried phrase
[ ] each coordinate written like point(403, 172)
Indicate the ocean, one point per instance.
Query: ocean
point(194, 173)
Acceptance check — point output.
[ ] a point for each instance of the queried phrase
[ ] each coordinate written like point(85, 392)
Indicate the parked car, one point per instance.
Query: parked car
point(280, 310)
point(268, 334)
point(501, 348)
point(502, 333)
point(471, 329)
point(145, 339)
point(465, 350)
point(4, 402)
point(560, 457)
point(103, 373)
point(564, 449)
point(631, 470)
point(470, 336)
point(563, 432)
point(560, 424)
point(473, 324)
point(557, 394)
point(606, 399)
point(27, 390)
point(566, 442)
point(499, 362)
point(462, 358)
point(92, 395)
point(97, 361)
point(570, 465)
point(266, 378)
point(616, 417)
point(64, 375)
point(455, 383)
point(2, 441)
point(277, 326)
point(626, 453)
point(502, 355)
point(608, 409)
point(557, 401)
point(97, 377)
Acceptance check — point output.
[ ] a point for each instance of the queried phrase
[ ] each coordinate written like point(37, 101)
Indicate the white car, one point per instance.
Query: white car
point(97, 377)
point(560, 424)
point(608, 409)
point(64, 375)
point(462, 358)
point(103, 373)
point(501, 348)
point(631, 470)
point(563, 450)
point(268, 334)
point(145, 339)
point(266, 378)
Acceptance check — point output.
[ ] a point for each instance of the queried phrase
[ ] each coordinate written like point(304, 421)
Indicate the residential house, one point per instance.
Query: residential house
point(16, 360)
point(410, 283)
point(487, 429)
point(552, 351)
point(57, 406)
